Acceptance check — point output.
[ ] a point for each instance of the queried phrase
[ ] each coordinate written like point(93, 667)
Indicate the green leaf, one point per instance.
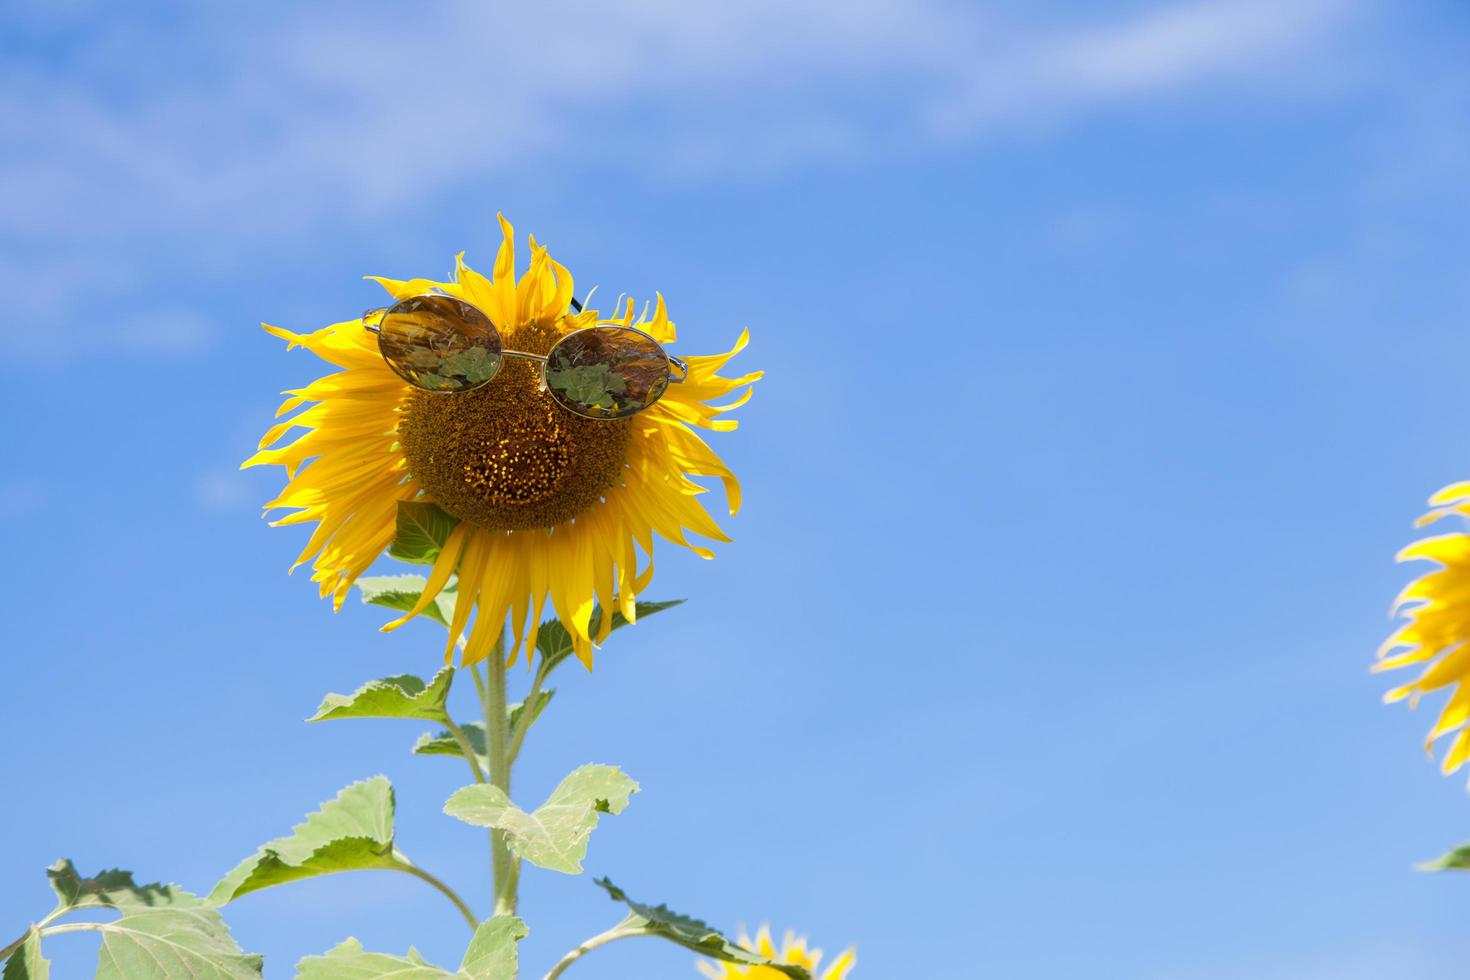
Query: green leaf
point(27, 963)
point(183, 940)
point(513, 711)
point(554, 643)
point(352, 832)
point(1456, 860)
point(113, 888)
point(555, 835)
point(491, 956)
point(404, 696)
point(443, 743)
point(422, 530)
point(401, 592)
point(691, 933)
point(348, 961)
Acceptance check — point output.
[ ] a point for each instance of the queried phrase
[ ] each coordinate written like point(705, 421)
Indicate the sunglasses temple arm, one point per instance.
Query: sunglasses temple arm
point(575, 305)
point(683, 369)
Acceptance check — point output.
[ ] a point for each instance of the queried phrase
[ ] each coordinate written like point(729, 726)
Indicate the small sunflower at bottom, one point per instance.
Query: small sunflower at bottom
point(793, 952)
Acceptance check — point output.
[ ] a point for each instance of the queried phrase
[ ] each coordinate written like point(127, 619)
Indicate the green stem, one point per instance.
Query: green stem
point(528, 712)
point(495, 728)
point(74, 927)
point(484, 696)
point(601, 939)
point(466, 748)
point(15, 945)
point(448, 892)
point(50, 917)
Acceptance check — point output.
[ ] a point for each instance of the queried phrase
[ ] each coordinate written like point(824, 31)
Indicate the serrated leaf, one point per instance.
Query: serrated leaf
point(491, 956)
point(186, 940)
point(513, 711)
point(401, 592)
point(112, 888)
point(349, 961)
point(493, 953)
point(1456, 860)
point(443, 743)
point(352, 832)
point(555, 835)
point(403, 696)
point(692, 933)
point(422, 529)
point(27, 963)
point(554, 643)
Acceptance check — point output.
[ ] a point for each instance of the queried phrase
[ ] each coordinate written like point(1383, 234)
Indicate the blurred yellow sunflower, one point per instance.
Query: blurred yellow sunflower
point(793, 952)
point(549, 504)
point(1437, 609)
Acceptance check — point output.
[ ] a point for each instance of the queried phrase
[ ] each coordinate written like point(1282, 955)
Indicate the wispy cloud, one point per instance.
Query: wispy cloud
point(245, 129)
point(354, 110)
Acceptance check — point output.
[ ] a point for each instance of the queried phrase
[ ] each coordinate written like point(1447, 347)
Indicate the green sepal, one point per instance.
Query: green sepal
point(352, 832)
point(403, 696)
point(555, 835)
point(491, 955)
point(554, 643)
point(27, 963)
point(401, 592)
point(422, 530)
point(691, 933)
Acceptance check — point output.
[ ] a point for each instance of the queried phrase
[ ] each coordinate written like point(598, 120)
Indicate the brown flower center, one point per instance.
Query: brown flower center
point(505, 456)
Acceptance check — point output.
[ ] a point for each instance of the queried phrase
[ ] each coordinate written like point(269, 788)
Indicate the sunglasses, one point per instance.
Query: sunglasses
point(443, 344)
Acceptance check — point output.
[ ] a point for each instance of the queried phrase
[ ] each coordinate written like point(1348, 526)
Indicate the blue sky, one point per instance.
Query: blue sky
point(1110, 352)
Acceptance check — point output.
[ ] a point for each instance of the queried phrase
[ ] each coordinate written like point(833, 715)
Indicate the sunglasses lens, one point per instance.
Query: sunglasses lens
point(606, 372)
point(440, 343)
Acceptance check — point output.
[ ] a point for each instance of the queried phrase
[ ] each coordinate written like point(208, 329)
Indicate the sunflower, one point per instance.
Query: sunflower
point(548, 504)
point(793, 952)
point(1437, 609)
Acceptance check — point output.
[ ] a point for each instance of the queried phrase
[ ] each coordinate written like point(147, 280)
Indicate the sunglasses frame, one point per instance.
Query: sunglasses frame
point(670, 360)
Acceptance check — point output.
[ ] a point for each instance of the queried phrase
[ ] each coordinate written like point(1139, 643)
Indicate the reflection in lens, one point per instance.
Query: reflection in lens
point(440, 343)
point(607, 372)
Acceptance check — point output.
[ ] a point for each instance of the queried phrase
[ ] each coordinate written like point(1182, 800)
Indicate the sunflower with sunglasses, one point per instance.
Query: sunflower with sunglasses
point(558, 440)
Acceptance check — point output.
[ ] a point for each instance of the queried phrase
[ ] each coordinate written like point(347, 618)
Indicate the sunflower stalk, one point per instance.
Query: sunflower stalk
point(491, 688)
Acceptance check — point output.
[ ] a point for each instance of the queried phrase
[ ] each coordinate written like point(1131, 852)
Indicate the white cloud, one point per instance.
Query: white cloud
point(1166, 49)
point(354, 110)
point(238, 128)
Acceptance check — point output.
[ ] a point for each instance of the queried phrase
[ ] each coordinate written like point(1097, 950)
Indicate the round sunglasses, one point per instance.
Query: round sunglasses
point(442, 344)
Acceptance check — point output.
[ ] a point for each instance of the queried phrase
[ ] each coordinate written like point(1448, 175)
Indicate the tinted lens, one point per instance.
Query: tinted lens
point(440, 343)
point(607, 372)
